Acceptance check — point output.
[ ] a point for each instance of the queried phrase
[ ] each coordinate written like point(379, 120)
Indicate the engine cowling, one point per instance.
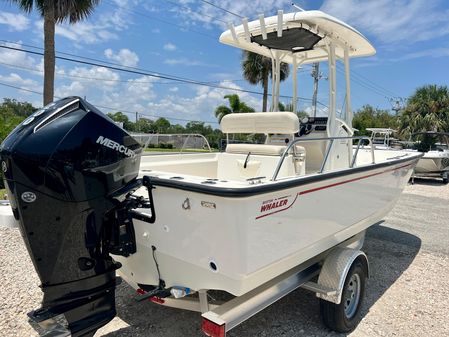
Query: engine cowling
point(67, 168)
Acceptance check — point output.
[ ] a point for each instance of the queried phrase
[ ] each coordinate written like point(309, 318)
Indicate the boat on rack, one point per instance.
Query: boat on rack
point(435, 162)
point(233, 221)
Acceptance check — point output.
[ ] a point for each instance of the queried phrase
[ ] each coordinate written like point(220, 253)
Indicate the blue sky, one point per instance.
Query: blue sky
point(180, 38)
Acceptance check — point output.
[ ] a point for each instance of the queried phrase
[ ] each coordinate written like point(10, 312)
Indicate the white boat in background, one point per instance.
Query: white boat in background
point(6, 216)
point(250, 221)
point(435, 162)
point(381, 138)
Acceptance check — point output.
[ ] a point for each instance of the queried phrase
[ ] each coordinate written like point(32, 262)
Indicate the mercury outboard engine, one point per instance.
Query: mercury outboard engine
point(69, 172)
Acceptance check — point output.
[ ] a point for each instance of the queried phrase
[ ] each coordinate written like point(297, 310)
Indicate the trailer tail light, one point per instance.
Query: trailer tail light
point(213, 329)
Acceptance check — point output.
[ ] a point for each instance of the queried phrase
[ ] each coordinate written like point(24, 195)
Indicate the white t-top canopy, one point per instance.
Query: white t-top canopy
point(301, 34)
point(381, 130)
point(260, 122)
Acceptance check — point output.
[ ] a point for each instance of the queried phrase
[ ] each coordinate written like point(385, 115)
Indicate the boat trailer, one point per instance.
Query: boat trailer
point(337, 276)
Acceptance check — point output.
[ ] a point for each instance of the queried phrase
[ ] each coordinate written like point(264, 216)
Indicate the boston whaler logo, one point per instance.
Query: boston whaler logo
point(274, 204)
point(116, 146)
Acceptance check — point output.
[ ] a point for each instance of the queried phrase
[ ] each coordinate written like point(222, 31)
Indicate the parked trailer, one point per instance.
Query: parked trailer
point(342, 272)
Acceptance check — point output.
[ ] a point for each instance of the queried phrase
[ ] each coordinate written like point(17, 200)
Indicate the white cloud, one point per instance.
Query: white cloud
point(169, 47)
point(173, 89)
point(16, 57)
point(81, 32)
point(73, 89)
point(210, 15)
point(14, 78)
point(429, 53)
point(16, 22)
point(95, 75)
point(102, 27)
point(202, 105)
point(140, 88)
point(185, 62)
point(393, 21)
point(125, 57)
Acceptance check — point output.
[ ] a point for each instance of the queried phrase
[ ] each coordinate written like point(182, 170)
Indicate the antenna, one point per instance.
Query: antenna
point(297, 7)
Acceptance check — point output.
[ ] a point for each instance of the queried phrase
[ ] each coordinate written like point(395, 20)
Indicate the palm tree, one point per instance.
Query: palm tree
point(235, 105)
point(53, 12)
point(427, 110)
point(257, 69)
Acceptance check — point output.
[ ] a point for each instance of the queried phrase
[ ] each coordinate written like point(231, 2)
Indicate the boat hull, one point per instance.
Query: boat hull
point(212, 241)
point(433, 163)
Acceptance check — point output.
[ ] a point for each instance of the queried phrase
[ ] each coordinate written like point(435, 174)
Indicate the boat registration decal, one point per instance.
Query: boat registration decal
point(273, 206)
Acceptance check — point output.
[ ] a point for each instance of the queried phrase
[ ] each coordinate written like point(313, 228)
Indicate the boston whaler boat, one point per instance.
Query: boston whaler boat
point(435, 162)
point(256, 221)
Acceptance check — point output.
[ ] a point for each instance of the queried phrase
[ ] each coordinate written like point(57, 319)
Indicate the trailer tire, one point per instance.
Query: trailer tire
point(345, 316)
point(445, 180)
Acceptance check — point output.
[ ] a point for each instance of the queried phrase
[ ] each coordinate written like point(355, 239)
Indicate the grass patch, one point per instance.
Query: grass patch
point(2, 193)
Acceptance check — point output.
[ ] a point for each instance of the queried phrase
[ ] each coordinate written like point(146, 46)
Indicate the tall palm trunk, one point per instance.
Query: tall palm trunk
point(49, 51)
point(265, 92)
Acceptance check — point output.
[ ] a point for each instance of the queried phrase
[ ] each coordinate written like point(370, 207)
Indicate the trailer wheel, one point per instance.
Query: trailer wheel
point(345, 316)
point(445, 180)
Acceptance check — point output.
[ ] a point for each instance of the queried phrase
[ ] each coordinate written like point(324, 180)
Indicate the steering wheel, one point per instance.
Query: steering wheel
point(305, 129)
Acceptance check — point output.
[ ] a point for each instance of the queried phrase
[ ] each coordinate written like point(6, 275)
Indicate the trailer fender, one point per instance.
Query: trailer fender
point(334, 271)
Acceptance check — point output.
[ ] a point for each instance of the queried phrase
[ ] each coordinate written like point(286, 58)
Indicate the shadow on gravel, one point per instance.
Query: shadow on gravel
point(390, 253)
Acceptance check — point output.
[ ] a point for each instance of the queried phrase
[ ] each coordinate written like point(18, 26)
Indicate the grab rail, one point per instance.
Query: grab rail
point(329, 147)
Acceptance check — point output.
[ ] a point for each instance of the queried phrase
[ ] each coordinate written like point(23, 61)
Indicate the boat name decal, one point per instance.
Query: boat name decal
point(115, 146)
point(268, 205)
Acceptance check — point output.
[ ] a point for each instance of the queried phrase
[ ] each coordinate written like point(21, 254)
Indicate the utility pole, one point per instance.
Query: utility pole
point(397, 104)
point(137, 119)
point(316, 77)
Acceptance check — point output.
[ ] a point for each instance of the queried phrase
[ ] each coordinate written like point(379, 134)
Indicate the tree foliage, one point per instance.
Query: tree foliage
point(370, 117)
point(235, 105)
point(257, 69)
point(12, 113)
point(426, 110)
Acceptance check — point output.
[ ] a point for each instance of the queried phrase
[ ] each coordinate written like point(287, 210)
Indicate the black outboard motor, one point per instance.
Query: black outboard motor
point(69, 171)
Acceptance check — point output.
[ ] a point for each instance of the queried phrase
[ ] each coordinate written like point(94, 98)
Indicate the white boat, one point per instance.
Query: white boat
point(6, 216)
point(381, 137)
point(236, 221)
point(435, 162)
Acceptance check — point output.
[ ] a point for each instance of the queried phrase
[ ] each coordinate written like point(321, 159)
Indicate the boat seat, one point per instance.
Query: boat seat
point(262, 149)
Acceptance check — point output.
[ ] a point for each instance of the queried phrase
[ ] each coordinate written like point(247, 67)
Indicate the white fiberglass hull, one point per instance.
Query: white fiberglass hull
point(433, 162)
point(253, 238)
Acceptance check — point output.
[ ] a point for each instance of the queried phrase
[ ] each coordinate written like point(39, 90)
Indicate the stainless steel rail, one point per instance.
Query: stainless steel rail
point(328, 150)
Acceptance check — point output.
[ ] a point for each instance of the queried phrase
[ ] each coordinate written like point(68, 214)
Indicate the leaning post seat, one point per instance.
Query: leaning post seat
point(285, 123)
point(281, 122)
point(260, 122)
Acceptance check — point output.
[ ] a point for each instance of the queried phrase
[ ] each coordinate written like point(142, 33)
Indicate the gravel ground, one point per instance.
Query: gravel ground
point(407, 294)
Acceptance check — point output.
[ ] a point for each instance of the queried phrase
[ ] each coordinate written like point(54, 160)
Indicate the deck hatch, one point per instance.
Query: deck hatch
point(294, 40)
